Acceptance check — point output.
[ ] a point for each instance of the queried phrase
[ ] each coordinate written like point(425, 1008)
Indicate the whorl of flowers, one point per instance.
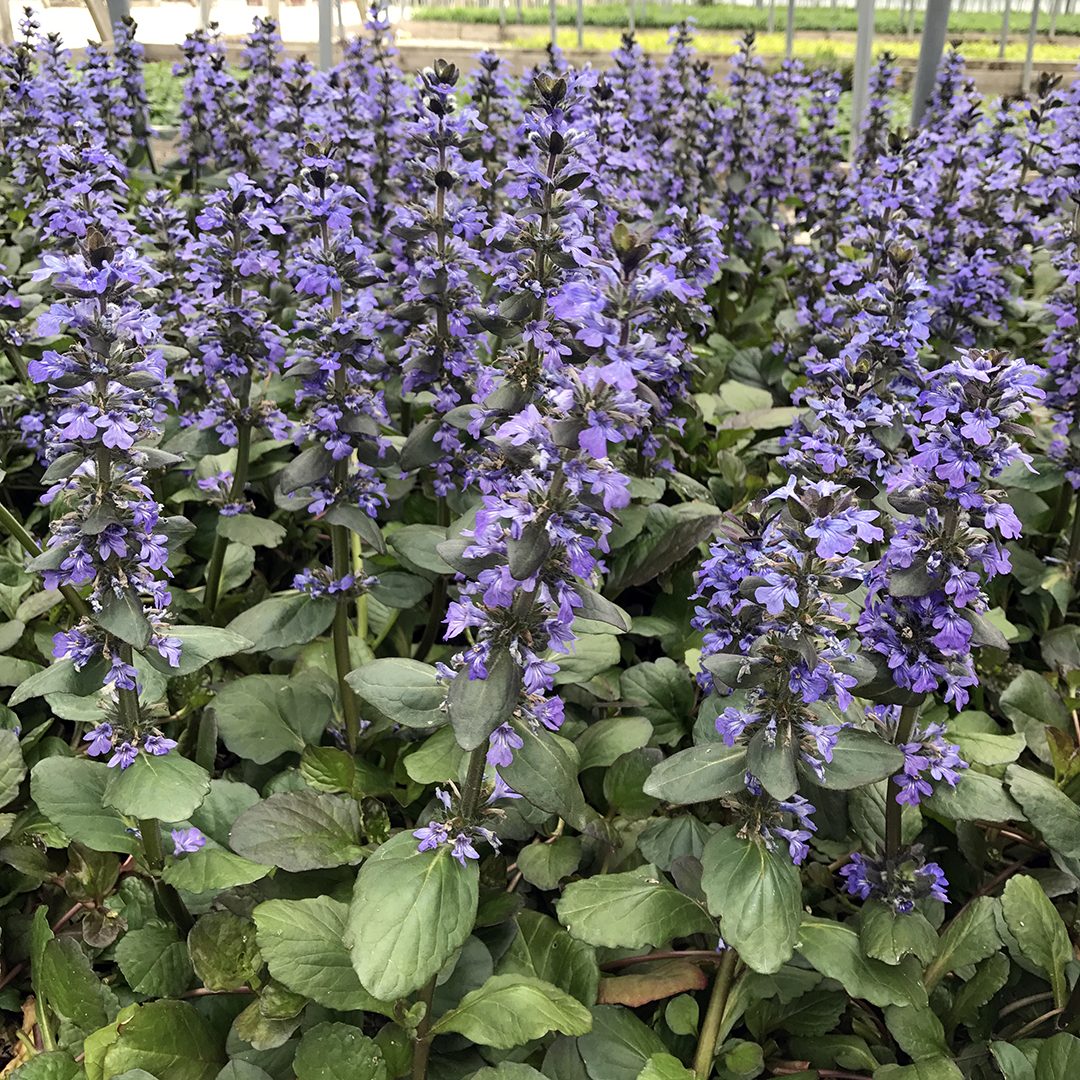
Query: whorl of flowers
point(107, 531)
point(925, 600)
point(774, 624)
point(336, 355)
point(898, 883)
point(235, 347)
point(440, 351)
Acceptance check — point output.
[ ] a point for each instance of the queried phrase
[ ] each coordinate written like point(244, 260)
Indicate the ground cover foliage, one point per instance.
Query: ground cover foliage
point(561, 577)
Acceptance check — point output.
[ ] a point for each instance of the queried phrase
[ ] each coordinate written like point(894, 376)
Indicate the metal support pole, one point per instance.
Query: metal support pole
point(911, 19)
point(7, 31)
point(1029, 58)
point(789, 30)
point(118, 9)
point(502, 19)
point(273, 11)
point(772, 16)
point(204, 13)
point(580, 24)
point(630, 16)
point(553, 12)
point(1003, 44)
point(860, 80)
point(326, 34)
point(935, 27)
point(1053, 18)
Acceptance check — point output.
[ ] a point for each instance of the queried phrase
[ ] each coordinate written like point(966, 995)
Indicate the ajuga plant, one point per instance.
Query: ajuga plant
point(546, 578)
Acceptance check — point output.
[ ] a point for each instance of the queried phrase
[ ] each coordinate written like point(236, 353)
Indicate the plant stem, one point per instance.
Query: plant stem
point(339, 539)
point(1074, 544)
point(714, 1015)
point(150, 831)
point(423, 1038)
point(236, 492)
point(15, 527)
point(474, 780)
point(894, 810)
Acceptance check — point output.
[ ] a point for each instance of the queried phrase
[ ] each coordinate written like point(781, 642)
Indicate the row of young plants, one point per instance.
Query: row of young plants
point(556, 576)
point(736, 17)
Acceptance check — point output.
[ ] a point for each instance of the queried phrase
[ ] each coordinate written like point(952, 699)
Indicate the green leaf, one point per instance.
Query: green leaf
point(510, 1010)
point(758, 896)
point(1012, 1061)
point(544, 771)
point(51, 1065)
point(917, 1030)
point(970, 938)
point(154, 961)
point(970, 997)
point(261, 717)
point(227, 800)
point(478, 706)
point(889, 937)
point(66, 979)
point(284, 621)
point(834, 950)
point(436, 759)
point(199, 646)
point(665, 1067)
point(299, 830)
point(663, 840)
point(1051, 811)
point(592, 654)
point(541, 948)
point(224, 951)
point(418, 545)
point(860, 757)
point(168, 1039)
point(396, 589)
point(168, 787)
point(976, 797)
point(211, 869)
point(1038, 929)
point(773, 759)
point(663, 692)
point(404, 691)
point(700, 774)
point(631, 910)
point(938, 1068)
point(338, 1052)
point(12, 766)
point(124, 617)
point(673, 532)
point(546, 864)
point(1031, 704)
point(302, 942)
point(1059, 1056)
point(59, 678)
point(251, 530)
point(70, 793)
point(410, 911)
point(619, 1045)
point(604, 741)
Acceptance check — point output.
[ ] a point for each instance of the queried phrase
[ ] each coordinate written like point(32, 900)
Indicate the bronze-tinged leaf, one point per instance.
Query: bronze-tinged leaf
point(652, 982)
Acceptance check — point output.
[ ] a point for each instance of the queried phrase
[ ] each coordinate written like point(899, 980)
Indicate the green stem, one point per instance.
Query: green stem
point(474, 781)
point(339, 539)
point(150, 831)
point(705, 1054)
point(894, 810)
point(422, 1049)
point(15, 527)
point(236, 491)
point(1074, 544)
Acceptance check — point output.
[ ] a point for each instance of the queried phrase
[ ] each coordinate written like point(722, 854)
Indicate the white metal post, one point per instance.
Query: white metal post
point(860, 80)
point(1029, 58)
point(789, 30)
point(553, 13)
point(1003, 44)
point(204, 13)
point(935, 26)
point(772, 16)
point(118, 9)
point(1053, 18)
point(580, 24)
point(326, 34)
